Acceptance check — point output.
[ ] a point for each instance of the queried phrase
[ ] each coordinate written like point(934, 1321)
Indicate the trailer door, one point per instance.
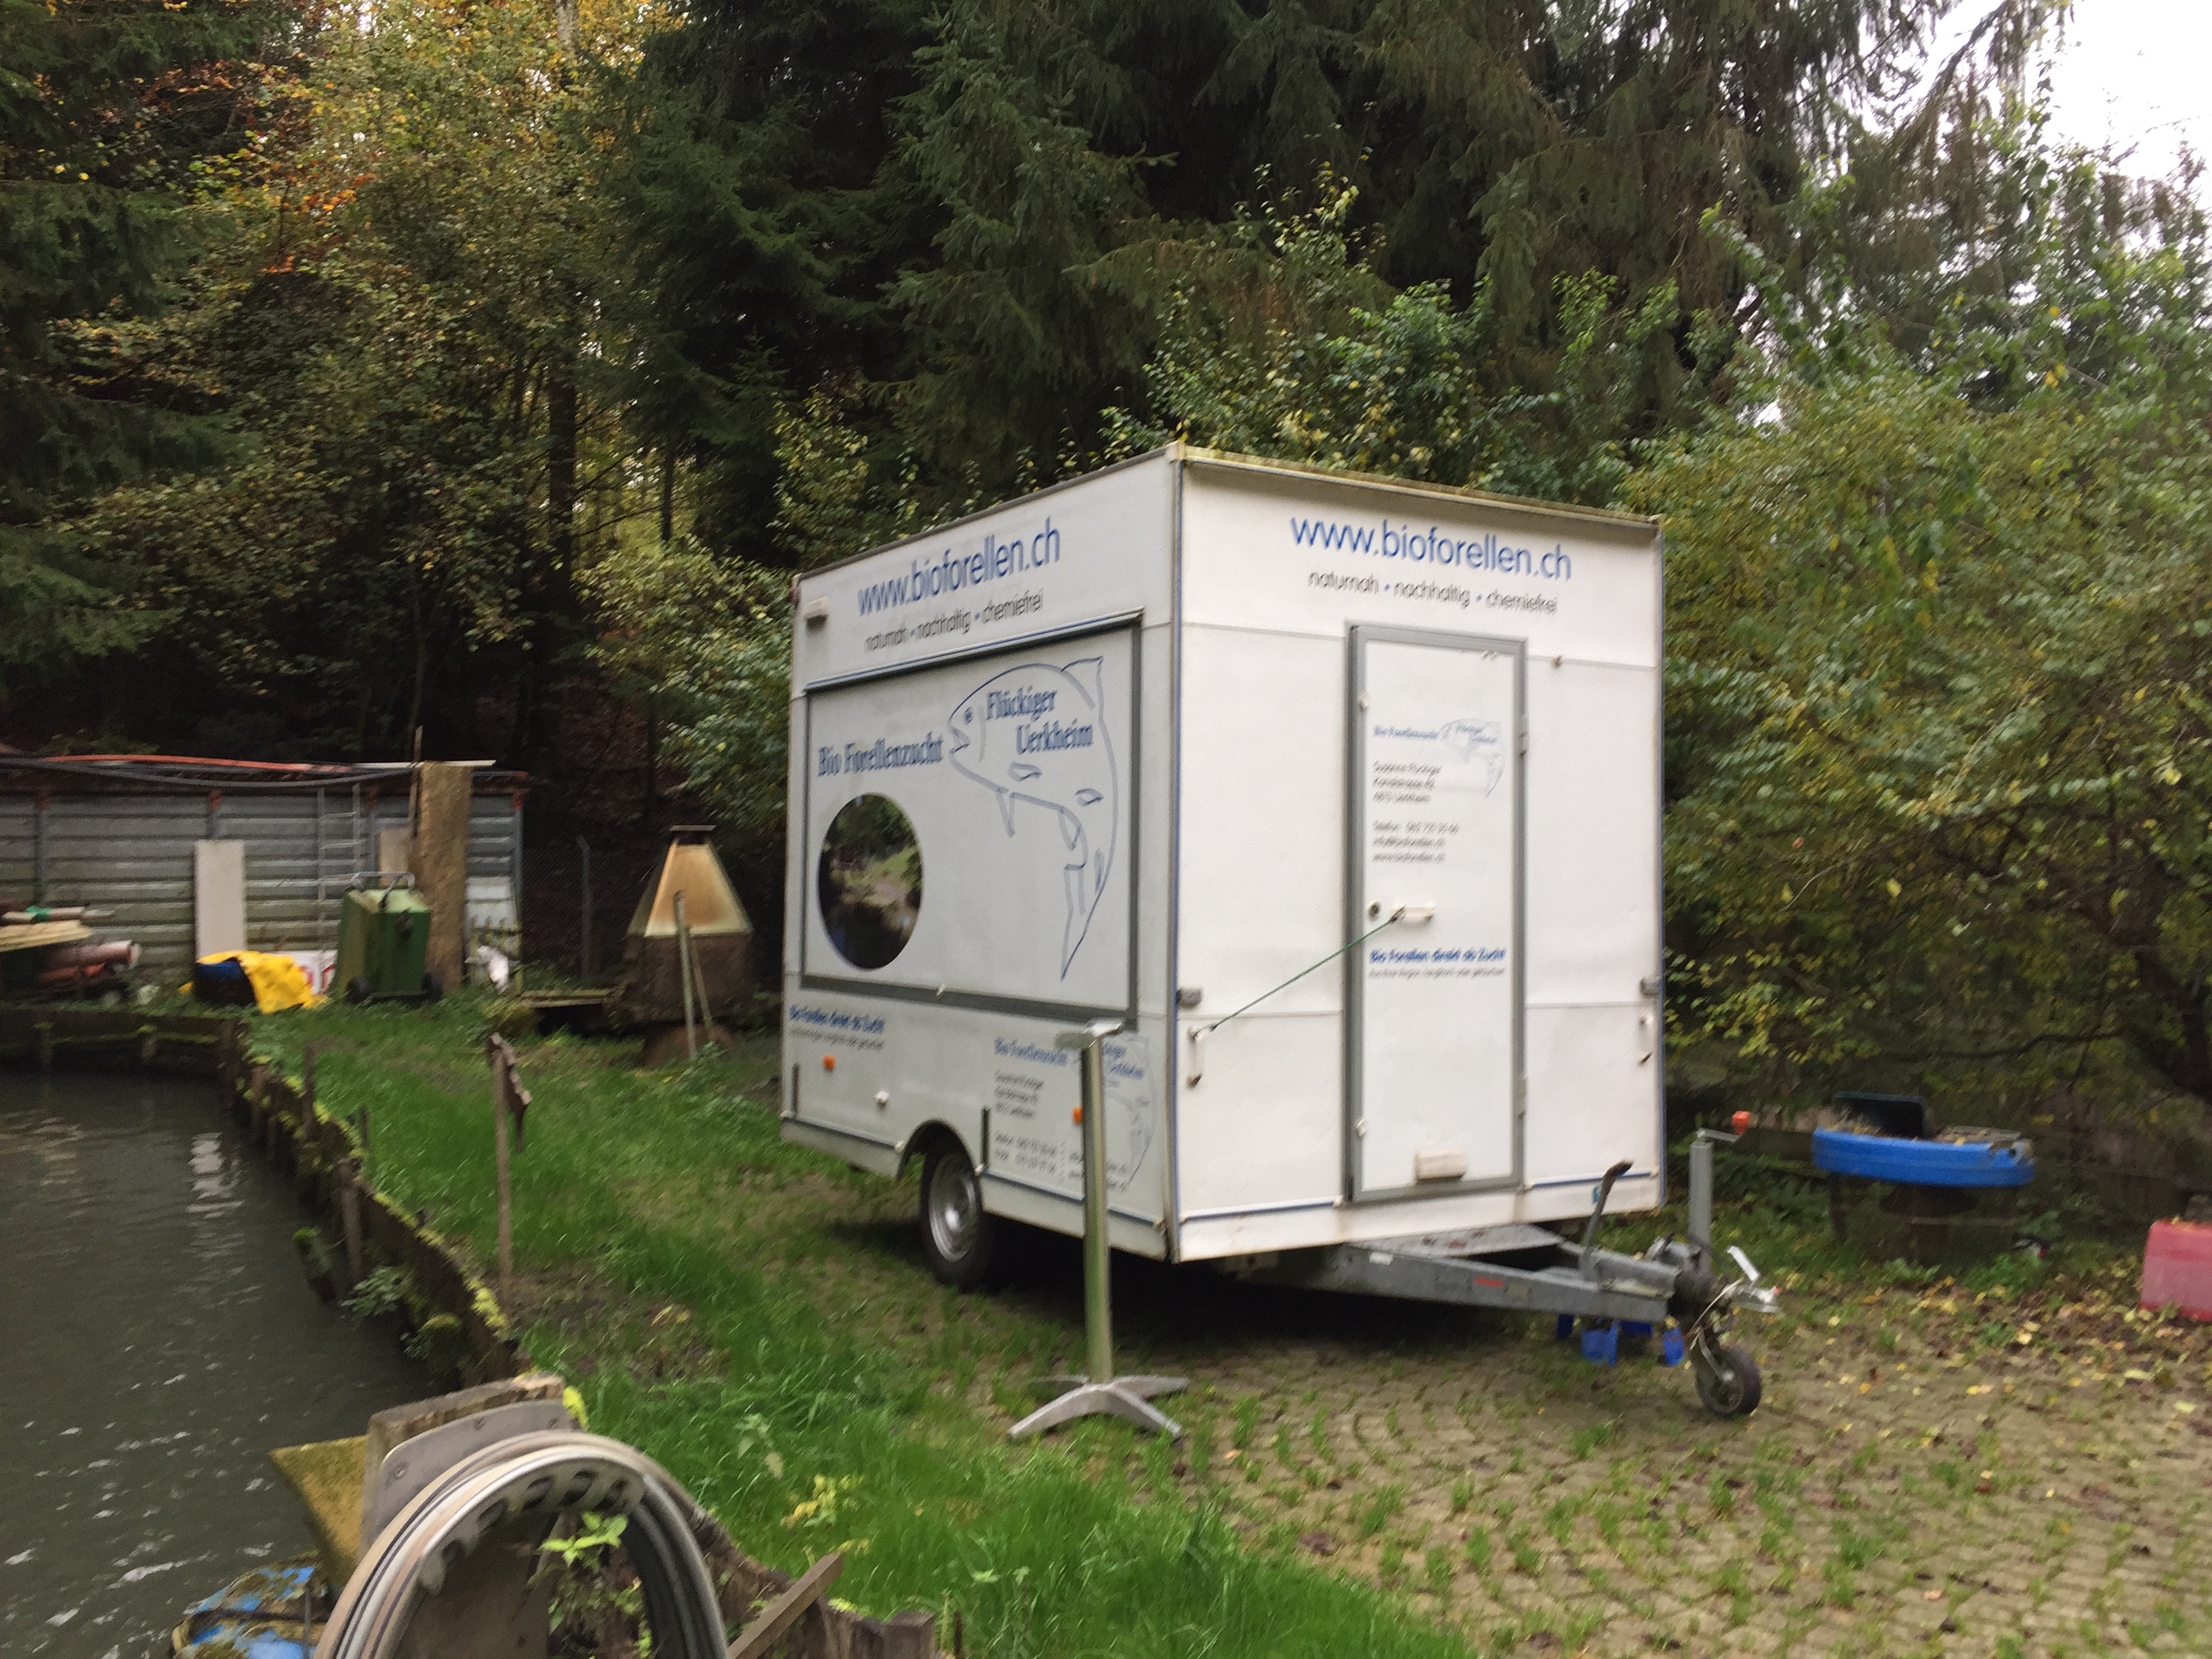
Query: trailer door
point(1433, 1051)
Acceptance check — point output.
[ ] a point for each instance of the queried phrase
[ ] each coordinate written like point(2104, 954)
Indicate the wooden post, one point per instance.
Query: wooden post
point(349, 1217)
point(506, 1194)
point(308, 1086)
point(361, 1128)
point(683, 974)
point(508, 1098)
point(787, 1609)
point(910, 1635)
point(440, 859)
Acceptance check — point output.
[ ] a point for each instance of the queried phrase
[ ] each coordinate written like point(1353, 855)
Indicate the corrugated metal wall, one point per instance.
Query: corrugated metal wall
point(131, 852)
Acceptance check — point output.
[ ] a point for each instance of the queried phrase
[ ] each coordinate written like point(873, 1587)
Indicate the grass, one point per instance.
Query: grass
point(1360, 1476)
point(684, 1267)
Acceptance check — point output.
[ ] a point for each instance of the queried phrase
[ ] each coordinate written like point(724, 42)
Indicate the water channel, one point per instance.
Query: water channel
point(157, 1338)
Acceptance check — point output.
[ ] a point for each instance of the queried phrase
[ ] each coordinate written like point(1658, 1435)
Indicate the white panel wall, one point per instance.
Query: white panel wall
point(1276, 569)
point(1108, 556)
point(1594, 1064)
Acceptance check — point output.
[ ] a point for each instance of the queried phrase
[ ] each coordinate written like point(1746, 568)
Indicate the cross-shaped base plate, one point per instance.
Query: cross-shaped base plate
point(1126, 1397)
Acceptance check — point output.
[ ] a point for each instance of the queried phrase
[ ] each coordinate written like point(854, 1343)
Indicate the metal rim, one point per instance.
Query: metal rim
point(544, 1474)
point(954, 1206)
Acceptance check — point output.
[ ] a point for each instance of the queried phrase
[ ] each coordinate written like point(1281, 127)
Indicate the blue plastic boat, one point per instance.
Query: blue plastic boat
point(1924, 1163)
point(256, 1617)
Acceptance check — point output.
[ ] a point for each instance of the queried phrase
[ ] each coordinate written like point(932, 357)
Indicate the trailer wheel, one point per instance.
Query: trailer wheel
point(1729, 1387)
point(964, 1242)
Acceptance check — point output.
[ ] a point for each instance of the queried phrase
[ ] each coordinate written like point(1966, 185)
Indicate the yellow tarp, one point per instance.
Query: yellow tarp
point(278, 982)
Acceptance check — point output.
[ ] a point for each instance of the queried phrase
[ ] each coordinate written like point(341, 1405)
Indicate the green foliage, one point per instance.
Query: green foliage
point(593, 1534)
point(974, 215)
point(1939, 746)
point(388, 1289)
point(713, 638)
point(1333, 370)
point(789, 1406)
point(106, 112)
point(398, 316)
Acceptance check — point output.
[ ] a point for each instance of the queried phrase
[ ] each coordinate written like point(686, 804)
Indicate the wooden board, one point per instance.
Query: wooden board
point(31, 935)
point(218, 897)
point(440, 857)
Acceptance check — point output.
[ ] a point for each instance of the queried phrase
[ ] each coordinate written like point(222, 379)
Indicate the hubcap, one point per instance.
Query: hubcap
point(954, 1207)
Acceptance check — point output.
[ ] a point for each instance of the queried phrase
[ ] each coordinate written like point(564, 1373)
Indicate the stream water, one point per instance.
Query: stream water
point(157, 1339)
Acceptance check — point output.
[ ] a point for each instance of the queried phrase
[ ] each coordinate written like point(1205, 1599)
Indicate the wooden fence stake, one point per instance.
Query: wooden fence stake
point(508, 1099)
point(349, 1217)
point(780, 1614)
point(683, 974)
point(505, 1193)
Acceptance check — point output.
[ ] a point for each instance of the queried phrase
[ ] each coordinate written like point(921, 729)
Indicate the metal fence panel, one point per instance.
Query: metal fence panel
point(130, 853)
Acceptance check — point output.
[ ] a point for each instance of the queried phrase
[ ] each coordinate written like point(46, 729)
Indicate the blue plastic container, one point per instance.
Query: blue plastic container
point(255, 1617)
point(1923, 1163)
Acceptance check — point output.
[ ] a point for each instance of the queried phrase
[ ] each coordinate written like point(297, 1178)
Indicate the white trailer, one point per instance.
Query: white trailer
point(1341, 792)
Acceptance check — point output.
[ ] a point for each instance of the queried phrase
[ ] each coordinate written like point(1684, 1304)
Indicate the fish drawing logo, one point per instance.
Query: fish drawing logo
point(1036, 734)
point(1482, 740)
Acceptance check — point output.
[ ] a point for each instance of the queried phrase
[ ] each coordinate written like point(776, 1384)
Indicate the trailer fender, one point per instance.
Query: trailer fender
point(916, 1147)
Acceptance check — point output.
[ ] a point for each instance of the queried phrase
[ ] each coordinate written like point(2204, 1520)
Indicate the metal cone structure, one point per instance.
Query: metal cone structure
point(651, 989)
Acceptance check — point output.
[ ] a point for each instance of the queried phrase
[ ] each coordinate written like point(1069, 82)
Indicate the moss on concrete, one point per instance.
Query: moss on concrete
point(327, 1476)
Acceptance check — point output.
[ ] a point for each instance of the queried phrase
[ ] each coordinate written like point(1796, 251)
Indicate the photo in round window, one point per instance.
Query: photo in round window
point(868, 880)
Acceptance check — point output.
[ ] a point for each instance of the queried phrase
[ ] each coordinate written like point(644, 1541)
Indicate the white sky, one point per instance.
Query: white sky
point(2128, 77)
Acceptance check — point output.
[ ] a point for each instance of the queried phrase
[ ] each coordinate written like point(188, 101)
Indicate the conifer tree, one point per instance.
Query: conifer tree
point(106, 112)
point(1011, 187)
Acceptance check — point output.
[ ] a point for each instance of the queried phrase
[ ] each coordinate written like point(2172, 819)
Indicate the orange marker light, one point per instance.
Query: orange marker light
point(1740, 1122)
point(829, 1062)
point(1076, 1118)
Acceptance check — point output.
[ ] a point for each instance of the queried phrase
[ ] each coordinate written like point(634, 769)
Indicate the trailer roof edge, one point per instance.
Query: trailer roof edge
point(1611, 519)
point(1230, 461)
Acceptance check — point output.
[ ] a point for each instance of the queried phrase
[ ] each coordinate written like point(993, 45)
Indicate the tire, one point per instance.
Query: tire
point(357, 990)
point(431, 989)
point(964, 1245)
point(1732, 1389)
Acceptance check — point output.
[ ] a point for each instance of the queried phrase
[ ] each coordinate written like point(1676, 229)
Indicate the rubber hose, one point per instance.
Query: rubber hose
point(548, 1475)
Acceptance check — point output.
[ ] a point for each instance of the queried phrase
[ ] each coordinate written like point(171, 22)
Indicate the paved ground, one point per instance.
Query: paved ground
point(1897, 1492)
point(1929, 1472)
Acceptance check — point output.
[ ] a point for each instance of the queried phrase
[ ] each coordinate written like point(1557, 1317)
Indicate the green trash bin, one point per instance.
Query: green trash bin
point(384, 937)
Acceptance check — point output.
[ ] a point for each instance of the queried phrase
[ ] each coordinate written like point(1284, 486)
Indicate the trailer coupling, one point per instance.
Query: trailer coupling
point(1525, 1268)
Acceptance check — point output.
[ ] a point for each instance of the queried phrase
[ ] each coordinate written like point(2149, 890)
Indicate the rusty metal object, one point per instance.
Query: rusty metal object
point(650, 991)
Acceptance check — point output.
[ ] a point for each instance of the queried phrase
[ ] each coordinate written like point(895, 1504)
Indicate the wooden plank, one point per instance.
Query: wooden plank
point(440, 859)
point(218, 897)
point(780, 1614)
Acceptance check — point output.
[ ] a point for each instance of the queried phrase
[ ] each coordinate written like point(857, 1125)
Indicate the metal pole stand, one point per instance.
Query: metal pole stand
point(1099, 1392)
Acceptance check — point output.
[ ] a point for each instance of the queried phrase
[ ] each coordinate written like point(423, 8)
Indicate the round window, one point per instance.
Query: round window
point(868, 880)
